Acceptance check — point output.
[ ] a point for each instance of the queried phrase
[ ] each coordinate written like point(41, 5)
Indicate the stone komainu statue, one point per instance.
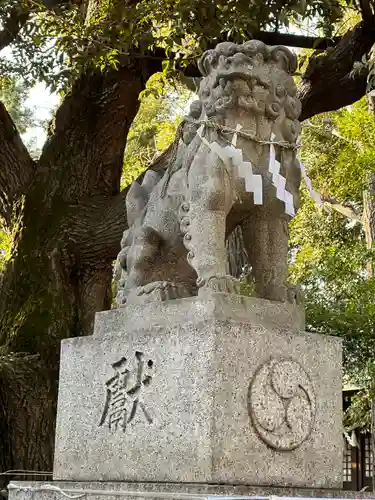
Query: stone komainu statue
point(180, 216)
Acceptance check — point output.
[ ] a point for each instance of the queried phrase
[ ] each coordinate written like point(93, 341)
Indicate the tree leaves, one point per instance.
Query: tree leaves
point(329, 256)
point(14, 94)
point(57, 44)
point(155, 125)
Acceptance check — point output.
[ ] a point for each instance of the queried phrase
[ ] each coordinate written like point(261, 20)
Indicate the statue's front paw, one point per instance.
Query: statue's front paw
point(225, 284)
point(158, 291)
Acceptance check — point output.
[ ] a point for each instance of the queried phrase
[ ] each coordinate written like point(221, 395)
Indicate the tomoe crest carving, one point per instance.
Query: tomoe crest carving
point(282, 404)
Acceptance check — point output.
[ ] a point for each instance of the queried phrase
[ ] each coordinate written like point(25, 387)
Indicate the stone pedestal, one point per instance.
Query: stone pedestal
point(213, 389)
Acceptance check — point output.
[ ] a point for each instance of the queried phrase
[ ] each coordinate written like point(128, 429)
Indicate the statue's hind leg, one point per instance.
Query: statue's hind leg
point(265, 238)
point(203, 220)
point(152, 276)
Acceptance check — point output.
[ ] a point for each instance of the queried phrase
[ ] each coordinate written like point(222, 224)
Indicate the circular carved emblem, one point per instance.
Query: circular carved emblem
point(281, 403)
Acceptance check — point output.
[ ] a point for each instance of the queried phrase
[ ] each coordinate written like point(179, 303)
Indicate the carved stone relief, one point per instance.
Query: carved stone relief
point(234, 162)
point(281, 403)
point(125, 389)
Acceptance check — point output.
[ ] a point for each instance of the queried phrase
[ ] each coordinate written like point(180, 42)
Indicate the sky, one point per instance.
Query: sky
point(44, 104)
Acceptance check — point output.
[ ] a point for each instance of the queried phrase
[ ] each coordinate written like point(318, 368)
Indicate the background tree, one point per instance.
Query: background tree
point(163, 105)
point(14, 94)
point(333, 255)
point(65, 211)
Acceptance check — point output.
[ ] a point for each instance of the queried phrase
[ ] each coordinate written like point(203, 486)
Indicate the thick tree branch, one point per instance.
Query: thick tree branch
point(300, 41)
point(269, 38)
point(329, 82)
point(90, 131)
point(16, 165)
point(343, 209)
point(366, 10)
point(96, 228)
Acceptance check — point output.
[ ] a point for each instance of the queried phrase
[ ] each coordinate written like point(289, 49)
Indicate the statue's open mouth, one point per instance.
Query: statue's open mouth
point(223, 78)
point(234, 87)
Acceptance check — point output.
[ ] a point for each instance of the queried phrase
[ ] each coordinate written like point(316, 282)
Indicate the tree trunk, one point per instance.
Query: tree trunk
point(66, 238)
point(27, 403)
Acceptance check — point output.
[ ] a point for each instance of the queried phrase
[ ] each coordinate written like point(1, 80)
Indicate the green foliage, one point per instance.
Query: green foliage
point(340, 149)
point(154, 127)
point(13, 94)
point(58, 43)
point(329, 256)
point(5, 248)
point(247, 287)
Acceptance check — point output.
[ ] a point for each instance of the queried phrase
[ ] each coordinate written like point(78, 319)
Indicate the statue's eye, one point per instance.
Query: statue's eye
point(280, 91)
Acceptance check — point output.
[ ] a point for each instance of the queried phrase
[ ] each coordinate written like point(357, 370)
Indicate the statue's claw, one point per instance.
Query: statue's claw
point(157, 291)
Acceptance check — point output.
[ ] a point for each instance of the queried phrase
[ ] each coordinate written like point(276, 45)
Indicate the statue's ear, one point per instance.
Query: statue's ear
point(285, 58)
point(205, 62)
point(195, 110)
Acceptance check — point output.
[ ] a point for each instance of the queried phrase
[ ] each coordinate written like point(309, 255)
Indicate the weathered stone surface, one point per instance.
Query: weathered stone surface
point(246, 399)
point(209, 306)
point(234, 163)
point(22, 490)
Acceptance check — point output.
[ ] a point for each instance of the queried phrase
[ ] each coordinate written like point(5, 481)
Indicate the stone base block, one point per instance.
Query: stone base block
point(216, 389)
point(58, 490)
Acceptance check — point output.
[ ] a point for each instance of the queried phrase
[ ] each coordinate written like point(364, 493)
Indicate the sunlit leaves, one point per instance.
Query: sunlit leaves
point(14, 94)
point(57, 44)
point(154, 128)
point(329, 255)
point(5, 248)
point(339, 151)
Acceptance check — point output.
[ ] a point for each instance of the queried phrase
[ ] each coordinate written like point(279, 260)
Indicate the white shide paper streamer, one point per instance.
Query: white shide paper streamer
point(254, 182)
point(279, 181)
